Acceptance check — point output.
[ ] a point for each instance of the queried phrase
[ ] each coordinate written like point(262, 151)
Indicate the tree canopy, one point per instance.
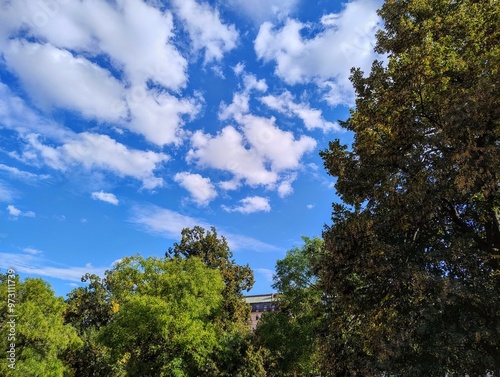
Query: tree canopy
point(162, 324)
point(214, 251)
point(41, 337)
point(290, 332)
point(411, 261)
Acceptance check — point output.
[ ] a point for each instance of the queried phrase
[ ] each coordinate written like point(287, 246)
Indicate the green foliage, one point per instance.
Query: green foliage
point(88, 310)
point(290, 332)
point(41, 337)
point(162, 323)
point(411, 261)
point(215, 253)
point(234, 353)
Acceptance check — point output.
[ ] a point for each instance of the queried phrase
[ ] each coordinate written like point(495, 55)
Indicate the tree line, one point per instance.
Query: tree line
point(404, 280)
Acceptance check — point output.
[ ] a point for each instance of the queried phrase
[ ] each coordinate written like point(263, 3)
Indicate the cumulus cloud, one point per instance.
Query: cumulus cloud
point(256, 153)
point(158, 116)
point(57, 77)
point(240, 104)
point(226, 151)
point(102, 67)
point(105, 197)
point(93, 151)
point(133, 34)
point(346, 40)
point(15, 212)
point(201, 189)
point(279, 148)
point(96, 151)
point(285, 187)
point(17, 116)
point(206, 29)
point(312, 118)
point(250, 204)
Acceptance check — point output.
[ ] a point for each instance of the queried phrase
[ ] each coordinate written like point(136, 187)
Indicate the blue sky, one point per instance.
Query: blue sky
point(122, 122)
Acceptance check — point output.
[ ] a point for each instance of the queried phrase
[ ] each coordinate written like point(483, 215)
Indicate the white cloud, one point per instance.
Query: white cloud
point(264, 10)
point(201, 189)
point(206, 29)
point(157, 115)
point(133, 34)
point(275, 146)
point(60, 79)
point(239, 68)
point(6, 194)
point(32, 251)
point(89, 149)
point(16, 115)
point(25, 175)
point(98, 65)
point(258, 153)
point(139, 40)
point(163, 221)
point(227, 152)
point(250, 204)
point(105, 197)
point(34, 264)
point(347, 40)
point(285, 187)
point(15, 212)
point(240, 103)
point(267, 273)
point(312, 118)
point(95, 151)
point(169, 224)
point(310, 206)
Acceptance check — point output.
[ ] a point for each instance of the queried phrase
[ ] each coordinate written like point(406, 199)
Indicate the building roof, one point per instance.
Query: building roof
point(260, 299)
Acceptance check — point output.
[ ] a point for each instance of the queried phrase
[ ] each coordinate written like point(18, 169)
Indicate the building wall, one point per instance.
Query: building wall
point(260, 305)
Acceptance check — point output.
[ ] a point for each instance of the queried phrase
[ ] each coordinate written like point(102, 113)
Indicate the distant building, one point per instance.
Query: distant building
point(260, 304)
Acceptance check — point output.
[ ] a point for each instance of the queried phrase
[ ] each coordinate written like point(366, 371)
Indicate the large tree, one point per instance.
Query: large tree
point(37, 334)
point(234, 354)
point(216, 254)
point(411, 262)
point(290, 332)
point(162, 316)
point(88, 310)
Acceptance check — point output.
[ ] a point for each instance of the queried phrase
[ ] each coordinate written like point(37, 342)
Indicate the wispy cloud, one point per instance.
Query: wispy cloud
point(6, 193)
point(267, 273)
point(264, 10)
point(167, 223)
point(105, 197)
point(36, 265)
point(32, 251)
point(21, 174)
